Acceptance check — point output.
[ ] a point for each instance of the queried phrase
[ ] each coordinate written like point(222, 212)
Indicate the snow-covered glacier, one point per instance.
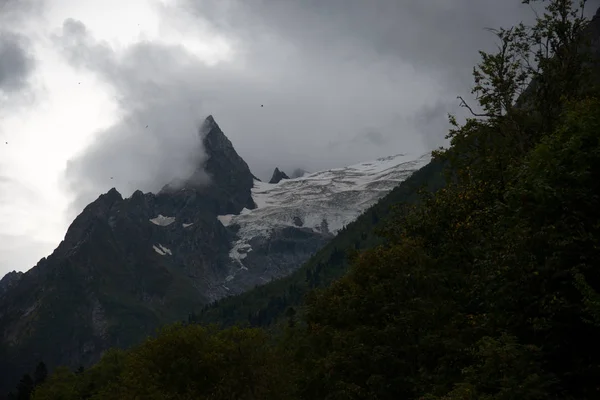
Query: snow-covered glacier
point(295, 217)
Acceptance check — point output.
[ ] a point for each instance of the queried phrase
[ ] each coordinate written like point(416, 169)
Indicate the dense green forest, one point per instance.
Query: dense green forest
point(485, 289)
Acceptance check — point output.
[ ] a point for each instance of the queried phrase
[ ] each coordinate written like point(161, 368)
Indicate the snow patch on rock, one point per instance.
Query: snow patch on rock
point(162, 250)
point(161, 220)
point(225, 219)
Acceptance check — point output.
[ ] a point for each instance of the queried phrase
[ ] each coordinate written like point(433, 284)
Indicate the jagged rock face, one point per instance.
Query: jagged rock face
point(273, 256)
point(229, 173)
point(224, 180)
point(278, 176)
point(9, 280)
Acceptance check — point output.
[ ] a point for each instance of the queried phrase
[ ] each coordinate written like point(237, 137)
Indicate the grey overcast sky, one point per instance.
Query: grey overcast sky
point(98, 94)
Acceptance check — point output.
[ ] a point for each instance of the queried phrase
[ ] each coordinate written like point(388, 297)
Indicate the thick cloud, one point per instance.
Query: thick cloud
point(440, 36)
point(16, 59)
point(15, 62)
point(311, 84)
point(155, 139)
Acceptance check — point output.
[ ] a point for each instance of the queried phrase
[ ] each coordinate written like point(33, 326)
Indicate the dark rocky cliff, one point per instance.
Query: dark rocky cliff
point(223, 181)
point(278, 176)
point(9, 280)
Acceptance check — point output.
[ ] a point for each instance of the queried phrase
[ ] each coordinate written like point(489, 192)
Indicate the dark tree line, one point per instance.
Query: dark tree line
point(27, 384)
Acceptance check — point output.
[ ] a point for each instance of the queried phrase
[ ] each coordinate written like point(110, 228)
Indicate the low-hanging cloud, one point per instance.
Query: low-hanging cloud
point(155, 140)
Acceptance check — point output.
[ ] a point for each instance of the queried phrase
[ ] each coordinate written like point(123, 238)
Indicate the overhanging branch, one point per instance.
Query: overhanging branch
point(464, 104)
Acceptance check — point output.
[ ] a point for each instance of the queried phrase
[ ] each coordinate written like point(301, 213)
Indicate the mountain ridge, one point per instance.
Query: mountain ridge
point(278, 176)
point(127, 266)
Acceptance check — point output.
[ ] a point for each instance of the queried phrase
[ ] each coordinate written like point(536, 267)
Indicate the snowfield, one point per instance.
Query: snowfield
point(323, 201)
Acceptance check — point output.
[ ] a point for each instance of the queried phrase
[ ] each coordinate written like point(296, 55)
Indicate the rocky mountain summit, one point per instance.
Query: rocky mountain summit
point(278, 176)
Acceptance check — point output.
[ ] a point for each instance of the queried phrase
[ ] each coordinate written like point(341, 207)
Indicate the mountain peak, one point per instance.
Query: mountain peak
point(226, 169)
point(223, 178)
point(213, 138)
point(113, 194)
point(278, 176)
point(208, 124)
point(103, 203)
